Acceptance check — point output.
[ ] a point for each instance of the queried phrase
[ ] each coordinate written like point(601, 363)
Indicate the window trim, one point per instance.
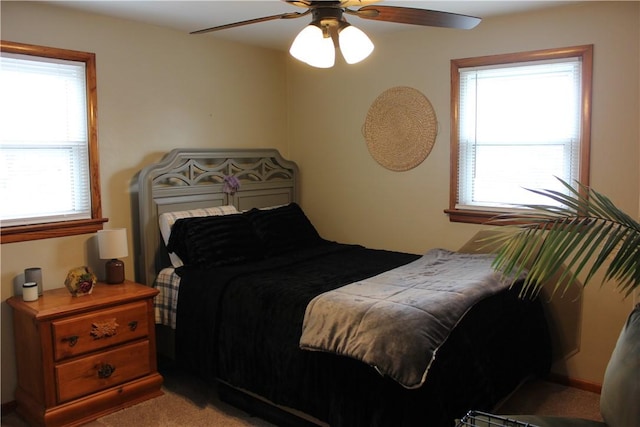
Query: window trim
point(21, 233)
point(585, 52)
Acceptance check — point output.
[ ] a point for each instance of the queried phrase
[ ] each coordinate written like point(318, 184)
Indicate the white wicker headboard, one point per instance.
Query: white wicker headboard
point(194, 178)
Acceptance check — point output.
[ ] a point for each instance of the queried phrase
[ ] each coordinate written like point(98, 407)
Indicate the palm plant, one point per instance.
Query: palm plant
point(585, 231)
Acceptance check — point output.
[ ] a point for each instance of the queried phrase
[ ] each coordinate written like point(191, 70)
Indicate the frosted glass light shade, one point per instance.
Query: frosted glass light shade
point(113, 243)
point(310, 46)
point(307, 37)
point(355, 45)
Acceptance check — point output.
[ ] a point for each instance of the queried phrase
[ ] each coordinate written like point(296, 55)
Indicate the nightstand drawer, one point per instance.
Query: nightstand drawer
point(97, 372)
point(100, 329)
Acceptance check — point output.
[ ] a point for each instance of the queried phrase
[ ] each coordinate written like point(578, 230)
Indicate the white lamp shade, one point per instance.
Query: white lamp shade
point(113, 243)
point(312, 47)
point(355, 45)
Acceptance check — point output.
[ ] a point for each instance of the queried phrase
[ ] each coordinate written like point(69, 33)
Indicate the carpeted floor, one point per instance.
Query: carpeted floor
point(546, 398)
point(189, 402)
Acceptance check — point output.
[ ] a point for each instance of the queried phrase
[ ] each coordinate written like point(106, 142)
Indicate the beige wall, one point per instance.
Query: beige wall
point(159, 89)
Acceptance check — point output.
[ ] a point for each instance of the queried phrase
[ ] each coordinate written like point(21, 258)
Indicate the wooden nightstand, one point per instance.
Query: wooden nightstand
point(79, 358)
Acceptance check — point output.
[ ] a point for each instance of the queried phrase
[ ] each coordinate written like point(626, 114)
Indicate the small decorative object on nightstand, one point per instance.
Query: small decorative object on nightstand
point(112, 244)
point(34, 274)
point(30, 291)
point(78, 359)
point(80, 281)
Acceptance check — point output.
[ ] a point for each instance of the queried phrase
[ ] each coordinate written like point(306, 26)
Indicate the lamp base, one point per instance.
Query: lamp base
point(115, 271)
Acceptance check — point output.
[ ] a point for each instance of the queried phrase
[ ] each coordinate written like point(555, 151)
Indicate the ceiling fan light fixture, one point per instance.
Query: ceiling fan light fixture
point(316, 44)
point(312, 47)
point(355, 45)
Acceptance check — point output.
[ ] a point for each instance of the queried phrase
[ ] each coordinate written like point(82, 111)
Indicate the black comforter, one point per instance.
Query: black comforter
point(242, 324)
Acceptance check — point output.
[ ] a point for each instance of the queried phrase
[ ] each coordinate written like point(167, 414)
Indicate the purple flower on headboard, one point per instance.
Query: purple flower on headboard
point(231, 184)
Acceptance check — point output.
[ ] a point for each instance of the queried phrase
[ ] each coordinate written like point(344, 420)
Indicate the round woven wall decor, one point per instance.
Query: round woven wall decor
point(400, 128)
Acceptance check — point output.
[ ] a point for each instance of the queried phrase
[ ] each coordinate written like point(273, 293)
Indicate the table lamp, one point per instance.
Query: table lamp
point(112, 244)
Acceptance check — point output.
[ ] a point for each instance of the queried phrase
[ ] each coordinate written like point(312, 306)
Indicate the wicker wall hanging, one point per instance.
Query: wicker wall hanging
point(400, 128)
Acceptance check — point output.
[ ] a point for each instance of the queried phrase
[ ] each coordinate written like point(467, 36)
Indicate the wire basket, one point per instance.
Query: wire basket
point(482, 419)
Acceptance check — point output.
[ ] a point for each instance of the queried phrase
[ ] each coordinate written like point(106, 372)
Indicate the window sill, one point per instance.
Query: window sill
point(23, 233)
point(471, 216)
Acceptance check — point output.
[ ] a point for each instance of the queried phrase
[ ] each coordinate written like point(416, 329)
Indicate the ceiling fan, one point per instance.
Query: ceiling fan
point(329, 29)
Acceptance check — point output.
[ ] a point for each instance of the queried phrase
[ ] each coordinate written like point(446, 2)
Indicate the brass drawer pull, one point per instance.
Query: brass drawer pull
point(105, 370)
point(72, 340)
point(133, 325)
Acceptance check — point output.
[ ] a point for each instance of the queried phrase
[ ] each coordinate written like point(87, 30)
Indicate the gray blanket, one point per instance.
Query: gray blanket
point(397, 320)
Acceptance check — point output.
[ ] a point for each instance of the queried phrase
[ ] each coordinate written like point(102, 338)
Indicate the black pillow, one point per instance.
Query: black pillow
point(283, 229)
point(214, 240)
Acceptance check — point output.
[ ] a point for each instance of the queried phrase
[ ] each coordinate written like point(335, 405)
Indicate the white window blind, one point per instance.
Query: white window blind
point(519, 128)
point(44, 159)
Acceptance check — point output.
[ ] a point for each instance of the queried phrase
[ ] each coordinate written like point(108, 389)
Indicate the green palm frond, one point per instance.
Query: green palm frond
point(585, 232)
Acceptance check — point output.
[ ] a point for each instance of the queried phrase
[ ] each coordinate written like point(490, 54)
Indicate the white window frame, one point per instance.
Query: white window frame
point(21, 227)
point(462, 167)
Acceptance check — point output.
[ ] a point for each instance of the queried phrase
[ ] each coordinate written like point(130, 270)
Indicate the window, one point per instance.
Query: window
point(49, 178)
point(518, 122)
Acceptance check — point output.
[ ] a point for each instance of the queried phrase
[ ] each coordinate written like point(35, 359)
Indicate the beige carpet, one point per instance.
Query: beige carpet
point(189, 402)
point(546, 398)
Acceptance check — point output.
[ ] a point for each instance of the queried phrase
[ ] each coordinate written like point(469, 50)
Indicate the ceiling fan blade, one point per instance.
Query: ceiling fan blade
point(357, 3)
point(409, 15)
point(290, 15)
point(299, 3)
point(336, 3)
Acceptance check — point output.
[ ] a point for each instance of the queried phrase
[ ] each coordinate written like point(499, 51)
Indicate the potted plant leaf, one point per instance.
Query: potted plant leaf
point(582, 231)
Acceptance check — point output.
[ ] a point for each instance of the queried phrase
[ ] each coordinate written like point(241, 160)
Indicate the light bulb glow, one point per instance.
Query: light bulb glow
point(310, 46)
point(355, 45)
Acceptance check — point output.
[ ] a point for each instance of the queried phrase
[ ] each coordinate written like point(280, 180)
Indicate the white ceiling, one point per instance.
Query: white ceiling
point(189, 16)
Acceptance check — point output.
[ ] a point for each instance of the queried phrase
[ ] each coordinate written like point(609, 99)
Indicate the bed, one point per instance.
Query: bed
point(283, 321)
